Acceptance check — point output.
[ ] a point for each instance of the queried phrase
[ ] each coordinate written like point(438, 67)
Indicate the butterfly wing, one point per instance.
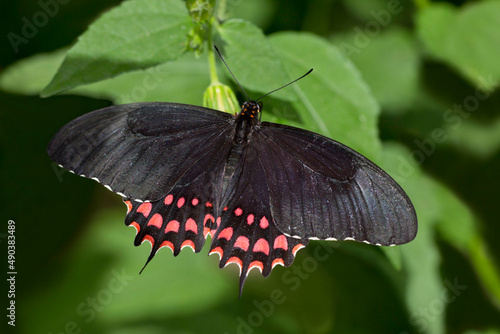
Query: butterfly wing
point(245, 232)
point(141, 150)
point(321, 189)
point(184, 217)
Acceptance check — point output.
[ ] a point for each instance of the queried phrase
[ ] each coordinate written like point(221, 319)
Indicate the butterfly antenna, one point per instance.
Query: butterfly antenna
point(218, 52)
point(285, 85)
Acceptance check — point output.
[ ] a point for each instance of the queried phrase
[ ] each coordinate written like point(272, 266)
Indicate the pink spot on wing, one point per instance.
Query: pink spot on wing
point(235, 260)
point(169, 199)
point(136, 226)
point(217, 250)
point(168, 244)
point(145, 208)
point(261, 246)
point(226, 233)
point(191, 225)
point(208, 217)
point(129, 206)
point(195, 201)
point(297, 248)
point(242, 242)
point(148, 238)
point(255, 264)
point(181, 202)
point(238, 212)
point(250, 219)
point(264, 223)
point(172, 226)
point(280, 242)
point(188, 243)
point(156, 220)
point(278, 261)
point(208, 205)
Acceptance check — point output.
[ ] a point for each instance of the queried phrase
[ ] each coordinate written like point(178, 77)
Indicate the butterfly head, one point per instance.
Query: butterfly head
point(251, 109)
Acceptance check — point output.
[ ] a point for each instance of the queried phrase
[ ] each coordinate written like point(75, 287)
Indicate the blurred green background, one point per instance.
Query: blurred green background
point(410, 84)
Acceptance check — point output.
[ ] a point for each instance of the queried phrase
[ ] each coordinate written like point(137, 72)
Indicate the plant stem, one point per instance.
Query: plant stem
point(211, 57)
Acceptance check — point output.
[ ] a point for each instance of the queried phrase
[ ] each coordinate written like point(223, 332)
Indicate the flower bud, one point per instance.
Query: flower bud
point(220, 97)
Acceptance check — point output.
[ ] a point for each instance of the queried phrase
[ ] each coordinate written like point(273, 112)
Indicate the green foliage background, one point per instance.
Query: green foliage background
point(412, 85)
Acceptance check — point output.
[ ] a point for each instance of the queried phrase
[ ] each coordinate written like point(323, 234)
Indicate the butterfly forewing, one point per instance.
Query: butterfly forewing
point(141, 150)
point(321, 189)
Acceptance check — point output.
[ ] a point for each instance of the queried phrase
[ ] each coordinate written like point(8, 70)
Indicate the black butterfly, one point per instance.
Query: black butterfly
point(261, 190)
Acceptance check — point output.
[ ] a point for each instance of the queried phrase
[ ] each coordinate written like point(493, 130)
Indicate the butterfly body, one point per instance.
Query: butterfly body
point(260, 190)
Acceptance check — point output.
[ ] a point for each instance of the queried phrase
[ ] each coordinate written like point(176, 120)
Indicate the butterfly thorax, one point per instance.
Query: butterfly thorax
point(245, 120)
point(250, 111)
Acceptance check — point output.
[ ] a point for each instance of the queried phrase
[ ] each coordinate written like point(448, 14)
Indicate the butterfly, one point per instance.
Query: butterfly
point(260, 190)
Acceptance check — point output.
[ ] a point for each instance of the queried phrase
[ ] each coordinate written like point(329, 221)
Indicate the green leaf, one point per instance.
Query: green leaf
point(333, 100)
point(464, 38)
point(135, 35)
point(182, 81)
point(30, 75)
point(252, 59)
point(389, 64)
point(456, 223)
point(421, 258)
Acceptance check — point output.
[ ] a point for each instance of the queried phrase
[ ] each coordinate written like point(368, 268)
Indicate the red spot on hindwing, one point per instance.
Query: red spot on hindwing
point(261, 246)
point(188, 243)
point(191, 225)
point(145, 209)
point(129, 206)
point(181, 202)
point(168, 244)
point(169, 199)
point(226, 233)
point(256, 264)
point(278, 261)
point(172, 226)
point(264, 223)
point(195, 201)
point(136, 226)
point(280, 242)
point(250, 219)
point(236, 260)
point(238, 212)
point(156, 220)
point(297, 248)
point(217, 250)
point(242, 242)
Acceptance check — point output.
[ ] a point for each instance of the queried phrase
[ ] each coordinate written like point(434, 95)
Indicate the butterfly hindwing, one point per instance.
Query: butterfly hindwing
point(321, 189)
point(246, 233)
point(141, 150)
point(185, 215)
